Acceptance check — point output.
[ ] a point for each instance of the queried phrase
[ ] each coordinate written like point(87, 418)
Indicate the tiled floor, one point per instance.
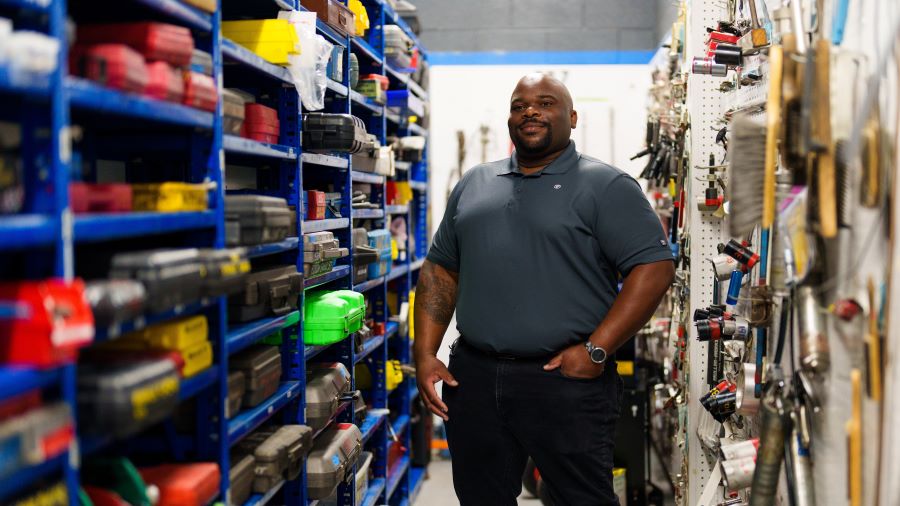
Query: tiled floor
point(438, 489)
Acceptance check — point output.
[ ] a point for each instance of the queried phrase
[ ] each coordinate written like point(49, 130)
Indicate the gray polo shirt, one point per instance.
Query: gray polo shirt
point(538, 256)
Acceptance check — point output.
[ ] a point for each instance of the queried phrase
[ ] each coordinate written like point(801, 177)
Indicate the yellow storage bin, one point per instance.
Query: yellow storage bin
point(182, 334)
point(272, 39)
point(197, 358)
point(169, 197)
point(393, 375)
point(361, 17)
point(404, 193)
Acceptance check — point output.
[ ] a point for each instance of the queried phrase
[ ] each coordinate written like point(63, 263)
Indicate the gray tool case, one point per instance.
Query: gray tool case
point(171, 277)
point(241, 477)
point(279, 454)
point(236, 384)
point(261, 365)
point(121, 399)
point(271, 292)
point(256, 219)
point(325, 385)
point(226, 270)
point(332, 458)
point(363, 255)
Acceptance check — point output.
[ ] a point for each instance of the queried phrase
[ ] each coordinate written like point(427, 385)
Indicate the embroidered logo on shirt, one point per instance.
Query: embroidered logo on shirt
point(557, 186)
point(662, 242)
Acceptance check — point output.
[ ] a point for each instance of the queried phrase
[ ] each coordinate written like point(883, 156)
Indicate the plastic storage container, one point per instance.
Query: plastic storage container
point(334, 454)
point(315, 205)
point(99, 198)
point(184, 484)
point(334, 14)
point(256, 219)
point(52, 321)
point(226, 270)
point(272, 292)
point(233, 110)
point(169, 197)
point(112, 65)
point(274, 40)
point(201, 62)
point(325, 385)
point(361, 480)
point(34, 437)
point(155, 41)
point(121, 399)
point(200, 91)
point(281, 456)
point(261, 366)
point(164, 82)
point(333, 132)
point(363, 255)
point(381, 241)
point(171, 277)
point(241, 477)
point(236, 385)
point(330, 319)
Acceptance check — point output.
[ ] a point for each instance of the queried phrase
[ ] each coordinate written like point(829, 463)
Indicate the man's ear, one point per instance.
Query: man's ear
point(573, 117)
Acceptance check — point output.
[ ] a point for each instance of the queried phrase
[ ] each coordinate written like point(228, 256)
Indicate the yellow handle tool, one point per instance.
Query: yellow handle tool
point(873, 345)
point(854, 440)
point(825, 159)
point(773, 126)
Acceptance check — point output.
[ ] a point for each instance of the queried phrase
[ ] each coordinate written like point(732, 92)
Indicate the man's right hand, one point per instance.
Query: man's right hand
point(428, 372)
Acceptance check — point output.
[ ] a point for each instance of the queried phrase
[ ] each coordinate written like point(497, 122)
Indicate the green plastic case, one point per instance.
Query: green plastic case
point(332, 316)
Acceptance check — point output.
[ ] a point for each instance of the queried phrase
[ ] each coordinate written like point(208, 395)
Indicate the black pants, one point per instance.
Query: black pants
point(505, 410)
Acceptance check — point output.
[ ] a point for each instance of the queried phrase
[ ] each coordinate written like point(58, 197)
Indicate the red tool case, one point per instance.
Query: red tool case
point(165, 83)
point(261, 123)
point(200, 91)
point(257, 113)
point(112, 65)
point(156, 41)
point(184, 484)
point(50, 321)
point(315, 205)
point(100, 198)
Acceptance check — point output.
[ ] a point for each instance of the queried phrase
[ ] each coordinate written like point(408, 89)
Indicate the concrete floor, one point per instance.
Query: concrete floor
point(438, 488)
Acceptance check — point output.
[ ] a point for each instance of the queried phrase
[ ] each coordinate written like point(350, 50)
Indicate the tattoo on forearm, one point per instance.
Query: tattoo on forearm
point(436, 291)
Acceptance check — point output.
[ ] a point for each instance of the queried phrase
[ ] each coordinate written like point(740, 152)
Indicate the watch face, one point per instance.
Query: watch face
point(598, 355)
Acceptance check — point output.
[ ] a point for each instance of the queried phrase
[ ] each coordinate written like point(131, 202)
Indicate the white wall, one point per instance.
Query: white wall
point(610, 100)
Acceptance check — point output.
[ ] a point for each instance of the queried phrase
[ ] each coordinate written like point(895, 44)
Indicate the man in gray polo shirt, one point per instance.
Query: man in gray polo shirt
point(529, 254)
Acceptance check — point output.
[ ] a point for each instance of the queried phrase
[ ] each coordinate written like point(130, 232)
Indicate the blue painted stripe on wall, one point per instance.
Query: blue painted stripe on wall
point(541, 57)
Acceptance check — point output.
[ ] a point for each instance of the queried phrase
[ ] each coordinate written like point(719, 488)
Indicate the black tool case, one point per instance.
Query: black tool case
point(363, 255)
point(121, 399)
point(325, 385)
point(332, 458)
point(241, 477)
point(226, 270)
point(256, 219)
point(171, 277)
point(236, 385)
point(115, 301)
point(333, 132)
point(261, 365)
point(273, 291)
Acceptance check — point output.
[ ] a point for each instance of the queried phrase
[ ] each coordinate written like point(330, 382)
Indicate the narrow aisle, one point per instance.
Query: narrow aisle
point(438, 488)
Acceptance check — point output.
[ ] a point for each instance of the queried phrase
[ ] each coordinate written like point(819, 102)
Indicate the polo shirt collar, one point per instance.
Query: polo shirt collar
point(561, 165)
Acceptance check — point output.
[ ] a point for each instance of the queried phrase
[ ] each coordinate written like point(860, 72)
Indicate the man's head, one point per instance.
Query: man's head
point(541, 117)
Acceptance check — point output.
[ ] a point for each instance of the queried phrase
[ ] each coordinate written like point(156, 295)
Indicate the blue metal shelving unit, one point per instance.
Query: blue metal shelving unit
point(62, 243)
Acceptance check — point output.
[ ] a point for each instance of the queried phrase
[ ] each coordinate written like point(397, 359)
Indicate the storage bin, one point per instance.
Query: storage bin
point(325, 385)
point(194, 484)
point(169, 197)
point(261, 366)
point(99, 198)
point(334, 14)
point(122, 399)
point(226, 270)
point(256, 219)
point(272, 292)
point(334, 454)
point(273, 40)
point(154, 41)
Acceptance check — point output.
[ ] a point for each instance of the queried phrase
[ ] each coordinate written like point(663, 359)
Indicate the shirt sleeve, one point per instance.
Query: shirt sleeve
point(629, 232)
point(445, 247)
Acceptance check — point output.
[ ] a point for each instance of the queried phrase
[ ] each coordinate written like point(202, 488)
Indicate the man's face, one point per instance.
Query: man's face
point(540, 116)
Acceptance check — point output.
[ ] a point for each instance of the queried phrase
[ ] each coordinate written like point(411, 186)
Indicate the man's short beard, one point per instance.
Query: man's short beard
point(541, 146)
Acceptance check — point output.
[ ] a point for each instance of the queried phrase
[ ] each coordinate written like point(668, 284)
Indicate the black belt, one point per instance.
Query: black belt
point(500, 356)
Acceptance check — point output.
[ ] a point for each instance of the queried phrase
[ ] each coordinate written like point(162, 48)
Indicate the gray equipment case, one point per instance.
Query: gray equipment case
point(332, 458)
point(236, 385)
point(241, 477)
point(280, 455)
point(172, 277)
point(325, 385)
point(261, 366)
point(256, 219)
point(270, 292)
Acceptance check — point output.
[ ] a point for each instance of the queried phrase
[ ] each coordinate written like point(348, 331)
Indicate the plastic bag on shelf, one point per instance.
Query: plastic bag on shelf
point(309, 68)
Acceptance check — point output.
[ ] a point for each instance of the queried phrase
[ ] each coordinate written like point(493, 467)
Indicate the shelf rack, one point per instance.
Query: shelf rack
point(57, 244)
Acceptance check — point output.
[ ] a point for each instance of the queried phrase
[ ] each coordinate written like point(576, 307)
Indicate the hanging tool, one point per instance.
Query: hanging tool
point(820, 144)
point(773, 427)
point(854, 440)
point(873, 346)
point(758, 34)
point(773, 122)
point(839, 23)
point(814, 349)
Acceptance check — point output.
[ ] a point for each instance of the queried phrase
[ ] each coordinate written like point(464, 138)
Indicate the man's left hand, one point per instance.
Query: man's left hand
point(575, 362)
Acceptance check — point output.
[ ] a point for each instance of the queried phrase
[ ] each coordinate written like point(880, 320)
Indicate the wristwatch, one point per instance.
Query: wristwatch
point(598, 355)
